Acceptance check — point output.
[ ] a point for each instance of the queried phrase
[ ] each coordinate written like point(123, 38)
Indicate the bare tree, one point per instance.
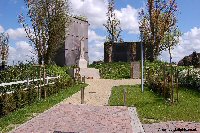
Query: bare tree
point(49, 19)
point(113, 24)
point(113, 29)
point(4, 47)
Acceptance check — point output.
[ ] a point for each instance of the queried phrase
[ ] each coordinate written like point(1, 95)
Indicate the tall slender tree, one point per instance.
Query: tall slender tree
point(4, 47)
point(113, 29)
point(158, 19)
point(49, 19)
point(113, 24)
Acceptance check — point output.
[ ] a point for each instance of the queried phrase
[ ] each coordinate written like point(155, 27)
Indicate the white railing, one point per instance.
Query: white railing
point(28, 82)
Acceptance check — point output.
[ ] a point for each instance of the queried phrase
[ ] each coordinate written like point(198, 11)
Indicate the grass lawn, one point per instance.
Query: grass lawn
point(20, 116)
point(153, 108)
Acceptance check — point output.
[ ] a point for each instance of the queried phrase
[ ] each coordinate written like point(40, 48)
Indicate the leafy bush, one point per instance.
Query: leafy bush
point(21, 97)
point(119, 70)
point(190, 77)
point(158, 78)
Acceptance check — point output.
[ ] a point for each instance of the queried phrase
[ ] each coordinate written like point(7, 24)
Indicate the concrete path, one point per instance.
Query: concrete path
point(98, 91)
point(90, 73)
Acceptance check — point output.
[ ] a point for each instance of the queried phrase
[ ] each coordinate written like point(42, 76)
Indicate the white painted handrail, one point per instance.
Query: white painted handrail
point(27, 81)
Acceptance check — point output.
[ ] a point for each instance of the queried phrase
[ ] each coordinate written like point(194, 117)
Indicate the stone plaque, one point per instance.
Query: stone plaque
point(135, 70)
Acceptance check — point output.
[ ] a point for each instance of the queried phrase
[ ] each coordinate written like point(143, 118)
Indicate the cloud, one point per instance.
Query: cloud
point(94, 37)
point(21, 52)
point(189, 42)
point(129, 19)
point(1, 29)
point(17, 34)
point(94, 10)
point(96, 47)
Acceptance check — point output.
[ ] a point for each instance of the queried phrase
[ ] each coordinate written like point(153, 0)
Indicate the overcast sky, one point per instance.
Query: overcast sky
point(95, 11)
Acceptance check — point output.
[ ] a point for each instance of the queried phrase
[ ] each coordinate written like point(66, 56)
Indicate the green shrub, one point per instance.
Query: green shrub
point(119, 70)
point(7, 104)
point(21, 97)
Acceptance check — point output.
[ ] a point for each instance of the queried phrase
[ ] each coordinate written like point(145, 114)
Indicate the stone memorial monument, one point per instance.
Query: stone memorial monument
point(76, 35)
point(82, 63)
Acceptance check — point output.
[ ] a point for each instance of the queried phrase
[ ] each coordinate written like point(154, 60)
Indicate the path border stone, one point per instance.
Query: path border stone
point(135, 121)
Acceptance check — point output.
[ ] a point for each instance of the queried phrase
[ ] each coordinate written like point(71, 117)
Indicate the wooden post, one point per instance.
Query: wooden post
point(40, 88)
point(125, 96)
point(172, 89)
point(171, 84)
point(188, 74)
point(82, 95)
point(44, 81)
point(131, 71)
point(27, 83)
point(148, 74)
point(83, 79)
point(164, 76)
point(177, 83)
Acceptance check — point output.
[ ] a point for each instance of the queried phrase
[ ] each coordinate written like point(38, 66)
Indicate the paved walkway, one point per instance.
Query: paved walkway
point(66, 118)
point(92, 117)
point(98, 91)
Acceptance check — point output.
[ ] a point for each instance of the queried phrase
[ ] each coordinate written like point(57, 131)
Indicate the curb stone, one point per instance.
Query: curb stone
point(135, 122)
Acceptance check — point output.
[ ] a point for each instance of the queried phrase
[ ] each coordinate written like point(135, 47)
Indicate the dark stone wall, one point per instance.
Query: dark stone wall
point(122, 52)
point(70, 54)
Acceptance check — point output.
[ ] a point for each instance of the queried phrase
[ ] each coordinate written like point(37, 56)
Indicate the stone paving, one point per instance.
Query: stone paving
point(172, 127)
point(79, 119)
point(98, 91)
point(94, 116)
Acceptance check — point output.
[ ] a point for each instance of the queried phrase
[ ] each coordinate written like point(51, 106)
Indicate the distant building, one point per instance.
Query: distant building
point(69, 54)
point(122, 52)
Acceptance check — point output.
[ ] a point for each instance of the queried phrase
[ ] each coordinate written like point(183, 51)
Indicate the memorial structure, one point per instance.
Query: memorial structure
point(75, 50)
point(122, 52)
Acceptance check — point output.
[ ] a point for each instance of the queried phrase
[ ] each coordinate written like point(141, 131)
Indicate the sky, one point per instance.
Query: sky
point(95, 10)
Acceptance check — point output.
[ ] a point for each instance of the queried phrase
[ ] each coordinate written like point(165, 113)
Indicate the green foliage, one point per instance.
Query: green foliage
point(152, 108)
point(24, 114)
point(17, 73)
point(23, 71)
point(120, 70)
point(190, 77)
point(20, 97)
point(158, 18)
point(49, 19)
point(187, 76)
